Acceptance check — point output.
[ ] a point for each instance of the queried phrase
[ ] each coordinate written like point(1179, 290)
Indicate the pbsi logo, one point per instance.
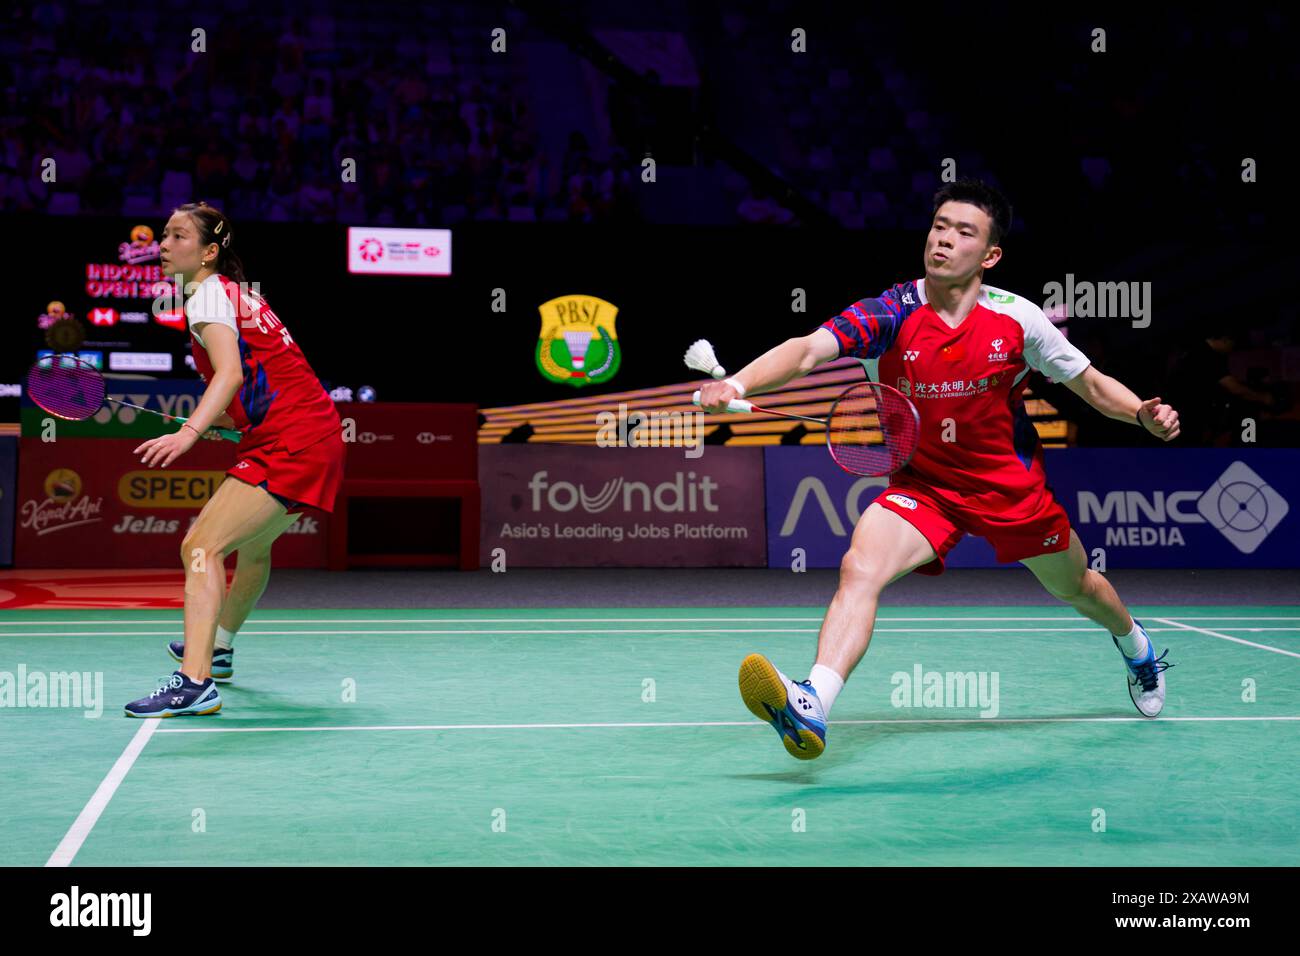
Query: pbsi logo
point(578, 344)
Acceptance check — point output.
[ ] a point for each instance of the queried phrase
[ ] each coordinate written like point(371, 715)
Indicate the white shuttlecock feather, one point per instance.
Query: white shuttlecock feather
point(701, 358)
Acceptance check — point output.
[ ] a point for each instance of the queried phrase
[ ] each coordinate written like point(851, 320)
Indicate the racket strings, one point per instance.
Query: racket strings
point(66, 390)
point(872, 432)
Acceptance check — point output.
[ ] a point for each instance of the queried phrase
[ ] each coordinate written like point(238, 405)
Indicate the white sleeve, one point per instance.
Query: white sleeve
point(209, 303)
point(1047, 350)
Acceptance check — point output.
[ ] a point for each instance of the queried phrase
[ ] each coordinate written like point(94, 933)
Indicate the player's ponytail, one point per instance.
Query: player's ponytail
point(213, 226)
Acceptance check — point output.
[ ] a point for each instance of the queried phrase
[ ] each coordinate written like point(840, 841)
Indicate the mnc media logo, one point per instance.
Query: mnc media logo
point(1241, 505)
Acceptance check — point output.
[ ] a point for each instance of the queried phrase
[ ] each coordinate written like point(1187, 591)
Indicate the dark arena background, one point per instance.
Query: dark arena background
point(494, 229)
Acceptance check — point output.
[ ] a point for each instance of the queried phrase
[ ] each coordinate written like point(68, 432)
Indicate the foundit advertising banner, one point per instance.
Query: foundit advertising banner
point(584, 506)
point(8, 494)
point(172, 397)
point(814, 505)
point(89, 503)
point(1182, 507)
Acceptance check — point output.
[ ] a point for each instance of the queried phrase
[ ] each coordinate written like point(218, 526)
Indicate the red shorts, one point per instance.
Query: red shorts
point(1043, 529)
point(311, 477)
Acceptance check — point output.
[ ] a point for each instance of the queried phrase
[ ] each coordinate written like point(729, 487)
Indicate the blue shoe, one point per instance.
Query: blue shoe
point(793, 708)
point(1146, 677)
point(176, 696)
point(223, 661)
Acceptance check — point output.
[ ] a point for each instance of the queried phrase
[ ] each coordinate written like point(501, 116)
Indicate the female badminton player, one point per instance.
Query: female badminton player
point(961, 351)
point(290, 456)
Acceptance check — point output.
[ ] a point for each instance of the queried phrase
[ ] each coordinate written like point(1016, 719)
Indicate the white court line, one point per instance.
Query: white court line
point(717, 723)
point(89, 816)
point(595, 631)
point(1226, 637)
point(602, 620)
point(176, 631)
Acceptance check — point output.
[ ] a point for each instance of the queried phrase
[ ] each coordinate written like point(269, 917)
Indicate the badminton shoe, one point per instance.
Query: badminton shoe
point(793, 708)
point(177, 696)
point(1146, 678)
point(223, 661)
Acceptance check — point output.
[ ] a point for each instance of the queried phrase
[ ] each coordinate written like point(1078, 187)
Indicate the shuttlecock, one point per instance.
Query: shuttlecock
point(701, 358)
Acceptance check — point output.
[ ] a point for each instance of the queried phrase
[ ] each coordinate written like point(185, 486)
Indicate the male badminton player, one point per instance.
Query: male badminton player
point(961, 351)
point(290, 456)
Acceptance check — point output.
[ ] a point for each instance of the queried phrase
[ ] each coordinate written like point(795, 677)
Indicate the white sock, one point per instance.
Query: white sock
point(1134, 644)
point(828, 685)
point(225, 639)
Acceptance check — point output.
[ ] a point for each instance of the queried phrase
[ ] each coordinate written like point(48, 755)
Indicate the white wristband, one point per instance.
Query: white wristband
point(736, 385)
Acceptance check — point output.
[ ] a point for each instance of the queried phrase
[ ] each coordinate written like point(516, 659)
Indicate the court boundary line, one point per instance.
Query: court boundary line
point(719, 723)
point(1228, 637)
point(602, 632)
point(72, 841)
point(616, 620)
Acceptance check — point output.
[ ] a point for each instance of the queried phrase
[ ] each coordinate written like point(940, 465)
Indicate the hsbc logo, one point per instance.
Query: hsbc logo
point(911, 355)
point(1240, 505)
point(369, 438)
point(103, 316)
point(428, 438)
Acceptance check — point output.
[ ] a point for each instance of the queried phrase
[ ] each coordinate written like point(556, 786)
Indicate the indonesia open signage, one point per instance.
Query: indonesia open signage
point(399, 252)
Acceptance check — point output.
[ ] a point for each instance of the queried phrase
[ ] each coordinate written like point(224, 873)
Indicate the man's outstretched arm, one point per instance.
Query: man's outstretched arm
point(791, 359)
point(1113, 399)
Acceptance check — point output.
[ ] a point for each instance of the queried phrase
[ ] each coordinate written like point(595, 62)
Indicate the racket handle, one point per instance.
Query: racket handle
point(229, 434)
point(735, 405)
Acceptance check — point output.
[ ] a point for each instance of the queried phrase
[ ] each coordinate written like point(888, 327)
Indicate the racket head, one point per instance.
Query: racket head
point(66, 386)
point(872, 430)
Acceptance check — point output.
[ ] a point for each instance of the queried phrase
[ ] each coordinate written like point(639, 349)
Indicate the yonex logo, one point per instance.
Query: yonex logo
point(911, 356)
point(1048, 542)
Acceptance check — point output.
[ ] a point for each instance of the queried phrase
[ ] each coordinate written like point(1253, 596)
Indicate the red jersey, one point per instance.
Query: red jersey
point(967, 383)
point(281, 398)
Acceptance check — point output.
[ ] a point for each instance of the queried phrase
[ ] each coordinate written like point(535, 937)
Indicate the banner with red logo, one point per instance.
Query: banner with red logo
point(583, 506)
point(88, 503)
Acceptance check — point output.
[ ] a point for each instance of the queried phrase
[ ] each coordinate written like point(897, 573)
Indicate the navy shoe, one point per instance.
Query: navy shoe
point(176, 696)
point(223, 661)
